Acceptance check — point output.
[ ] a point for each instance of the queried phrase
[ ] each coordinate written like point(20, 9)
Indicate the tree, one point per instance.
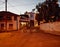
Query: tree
point(39, 15)
point(53, 9)
point(43, 11)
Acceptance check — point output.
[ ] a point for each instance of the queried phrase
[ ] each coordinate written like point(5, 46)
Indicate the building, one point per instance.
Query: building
point(32, 16)
point(9, 21)
point(24, 19)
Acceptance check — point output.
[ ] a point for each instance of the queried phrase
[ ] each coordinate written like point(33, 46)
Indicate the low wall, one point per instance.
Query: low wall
point(53, 28)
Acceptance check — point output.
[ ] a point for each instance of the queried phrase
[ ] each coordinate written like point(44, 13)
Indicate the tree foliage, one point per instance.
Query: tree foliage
point(48, 9)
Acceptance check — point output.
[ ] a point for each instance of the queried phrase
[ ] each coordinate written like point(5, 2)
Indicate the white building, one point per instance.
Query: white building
point(31, 16)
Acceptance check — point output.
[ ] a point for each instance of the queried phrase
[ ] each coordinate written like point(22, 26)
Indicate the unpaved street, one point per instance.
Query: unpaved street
point(20, 39)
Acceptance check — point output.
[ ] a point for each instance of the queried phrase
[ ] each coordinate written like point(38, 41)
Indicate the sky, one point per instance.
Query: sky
point(19, 6)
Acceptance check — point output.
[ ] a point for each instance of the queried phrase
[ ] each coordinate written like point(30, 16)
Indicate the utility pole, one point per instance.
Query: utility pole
point(5, 5)
point(6, 11)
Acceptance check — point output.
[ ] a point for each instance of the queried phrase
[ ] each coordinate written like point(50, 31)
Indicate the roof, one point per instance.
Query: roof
point(24, 15)
point(7, 13)
point(30, 12)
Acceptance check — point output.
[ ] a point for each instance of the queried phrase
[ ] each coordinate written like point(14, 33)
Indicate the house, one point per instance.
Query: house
point(24, 19)
point(32, 16)
point(9, 21)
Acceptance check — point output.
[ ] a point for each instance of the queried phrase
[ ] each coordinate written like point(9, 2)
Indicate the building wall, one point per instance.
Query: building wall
point(15, 23)
point(3, 26)
point(35, 22)
point(18, 23)
point(33, 18)
point(10, 25)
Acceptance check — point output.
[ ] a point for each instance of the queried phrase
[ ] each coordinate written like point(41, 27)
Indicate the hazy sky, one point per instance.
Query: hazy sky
point(19, 6)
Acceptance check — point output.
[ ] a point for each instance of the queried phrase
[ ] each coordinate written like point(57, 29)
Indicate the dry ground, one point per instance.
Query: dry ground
point(20, 39)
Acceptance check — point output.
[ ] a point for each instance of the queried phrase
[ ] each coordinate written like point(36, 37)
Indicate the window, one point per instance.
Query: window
point(15, 17)
point(2, 26)
point(9, 18)
point(10, 26)
point(1, 17)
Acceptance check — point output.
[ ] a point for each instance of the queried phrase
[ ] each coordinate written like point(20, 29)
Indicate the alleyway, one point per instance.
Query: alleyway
point(20, 39)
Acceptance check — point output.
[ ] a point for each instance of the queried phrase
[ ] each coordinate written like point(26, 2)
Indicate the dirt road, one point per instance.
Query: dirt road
point(20, 39)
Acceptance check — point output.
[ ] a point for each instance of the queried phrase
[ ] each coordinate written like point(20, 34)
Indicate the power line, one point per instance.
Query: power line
point(1, 4)
point(2, 1)
point(8, 5)
point(13, 6)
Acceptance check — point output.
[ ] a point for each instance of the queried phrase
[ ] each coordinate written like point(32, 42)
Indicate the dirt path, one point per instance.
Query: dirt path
point(20, 39)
